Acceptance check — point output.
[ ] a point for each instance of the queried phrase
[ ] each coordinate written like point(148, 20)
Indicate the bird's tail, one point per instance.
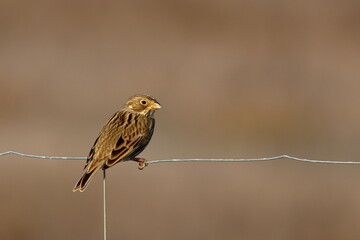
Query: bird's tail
point(85, 180)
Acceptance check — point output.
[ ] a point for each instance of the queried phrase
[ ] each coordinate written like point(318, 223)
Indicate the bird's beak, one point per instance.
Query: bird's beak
point(155, 106)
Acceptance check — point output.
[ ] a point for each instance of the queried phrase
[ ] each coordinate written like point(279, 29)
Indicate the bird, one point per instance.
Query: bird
point(122, 138)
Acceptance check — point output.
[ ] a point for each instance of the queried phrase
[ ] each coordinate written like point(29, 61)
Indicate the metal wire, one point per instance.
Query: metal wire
point(181, 160)
point(198, 159)
point(104, 204)
point(251, 160)
point(43, 157)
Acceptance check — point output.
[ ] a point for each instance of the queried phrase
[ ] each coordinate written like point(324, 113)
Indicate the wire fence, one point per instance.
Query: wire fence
point(197, 159)
point(179, 160)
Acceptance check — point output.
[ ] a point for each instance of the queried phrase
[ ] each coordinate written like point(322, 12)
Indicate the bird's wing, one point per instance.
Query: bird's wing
point(96, 155)
point(124, 148)
point(126, 143)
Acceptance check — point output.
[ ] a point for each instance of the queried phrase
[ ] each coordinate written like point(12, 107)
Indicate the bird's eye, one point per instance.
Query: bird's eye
point(143, 102)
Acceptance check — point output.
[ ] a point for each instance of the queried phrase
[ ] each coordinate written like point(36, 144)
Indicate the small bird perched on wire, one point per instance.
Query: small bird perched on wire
point(124, 136)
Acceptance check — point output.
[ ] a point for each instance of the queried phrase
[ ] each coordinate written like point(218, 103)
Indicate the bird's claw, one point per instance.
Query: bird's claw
point(142, 163)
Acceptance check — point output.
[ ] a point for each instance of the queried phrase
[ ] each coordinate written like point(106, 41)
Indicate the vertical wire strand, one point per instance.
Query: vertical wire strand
point(104, 203)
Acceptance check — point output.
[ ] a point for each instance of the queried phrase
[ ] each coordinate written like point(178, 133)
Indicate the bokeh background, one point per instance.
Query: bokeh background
point(236, 79)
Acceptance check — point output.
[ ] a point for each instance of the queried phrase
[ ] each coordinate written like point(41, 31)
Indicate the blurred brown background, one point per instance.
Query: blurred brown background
point(237, 79)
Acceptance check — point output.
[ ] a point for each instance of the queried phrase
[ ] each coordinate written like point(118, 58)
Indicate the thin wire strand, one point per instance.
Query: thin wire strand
point(104, 203)
point(42, 157)
point(251, 160)
point(198, 159)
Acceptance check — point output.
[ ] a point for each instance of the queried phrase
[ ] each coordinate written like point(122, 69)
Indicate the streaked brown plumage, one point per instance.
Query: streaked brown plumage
point(123, 137)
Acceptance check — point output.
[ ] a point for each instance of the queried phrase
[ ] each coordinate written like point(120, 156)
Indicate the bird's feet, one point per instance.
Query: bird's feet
point(142, 163)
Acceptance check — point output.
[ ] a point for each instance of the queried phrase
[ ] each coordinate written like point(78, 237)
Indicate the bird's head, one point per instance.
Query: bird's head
point(142, 104)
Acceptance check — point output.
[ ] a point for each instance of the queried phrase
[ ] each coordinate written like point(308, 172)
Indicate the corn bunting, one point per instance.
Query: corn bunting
point(123, 137)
